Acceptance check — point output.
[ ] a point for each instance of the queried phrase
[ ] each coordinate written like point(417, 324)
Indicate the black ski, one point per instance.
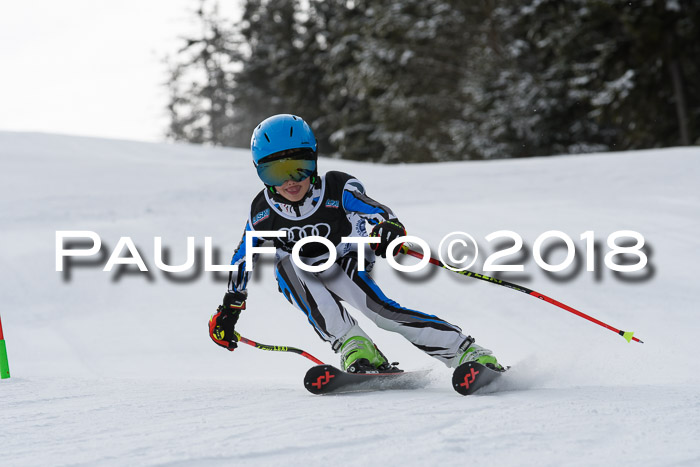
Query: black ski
point(327, 379)
point(472, 376)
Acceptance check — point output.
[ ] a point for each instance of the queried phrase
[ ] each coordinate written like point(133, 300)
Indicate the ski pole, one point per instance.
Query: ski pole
point(279, 348)
point(4, 365)
point(629, 336)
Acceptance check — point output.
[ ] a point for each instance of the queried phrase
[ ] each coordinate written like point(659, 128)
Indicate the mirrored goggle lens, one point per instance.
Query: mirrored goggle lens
point(277, 172)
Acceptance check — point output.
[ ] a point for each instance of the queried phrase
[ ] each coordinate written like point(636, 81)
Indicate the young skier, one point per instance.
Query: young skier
point(302, 203)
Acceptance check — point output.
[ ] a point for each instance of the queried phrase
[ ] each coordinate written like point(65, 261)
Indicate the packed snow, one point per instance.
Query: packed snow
point(116, 368)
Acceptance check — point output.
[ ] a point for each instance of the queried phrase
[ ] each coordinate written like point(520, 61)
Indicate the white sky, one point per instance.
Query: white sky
point(91, 67)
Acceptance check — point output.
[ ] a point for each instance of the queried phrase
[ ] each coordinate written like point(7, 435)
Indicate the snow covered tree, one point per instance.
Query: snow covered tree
point(650, 88)
point(279, 66)
point(392, 73)
point(591, 75)
point(433, 80)
point(268, 31)
point(530, 103)
point(201, 84)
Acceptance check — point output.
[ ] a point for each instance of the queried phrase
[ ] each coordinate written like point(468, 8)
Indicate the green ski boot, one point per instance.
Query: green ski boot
point(478, 354)
point(358, 354)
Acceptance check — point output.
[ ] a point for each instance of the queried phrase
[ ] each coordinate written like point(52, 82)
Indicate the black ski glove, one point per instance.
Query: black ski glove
point(387, 231)
point(235, 300)
point(222, 325)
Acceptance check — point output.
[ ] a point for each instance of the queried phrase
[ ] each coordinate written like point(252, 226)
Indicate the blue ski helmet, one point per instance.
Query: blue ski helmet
point(281, 133)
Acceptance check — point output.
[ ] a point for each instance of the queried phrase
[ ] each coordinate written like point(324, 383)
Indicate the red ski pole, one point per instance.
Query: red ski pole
point(629, 336)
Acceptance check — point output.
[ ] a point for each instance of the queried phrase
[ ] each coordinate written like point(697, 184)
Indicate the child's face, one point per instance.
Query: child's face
point(294, 191)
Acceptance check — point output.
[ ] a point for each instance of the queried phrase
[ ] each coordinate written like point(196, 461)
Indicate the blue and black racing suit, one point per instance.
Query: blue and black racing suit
point(335, 207)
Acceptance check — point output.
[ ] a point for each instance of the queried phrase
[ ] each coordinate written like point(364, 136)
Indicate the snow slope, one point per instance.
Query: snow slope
point(114, 369)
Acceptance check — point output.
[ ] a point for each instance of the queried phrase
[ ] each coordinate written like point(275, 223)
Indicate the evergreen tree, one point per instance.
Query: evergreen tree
point(346, 111)
point(533, 105)
point(200, 86)
point(592, 75)
point(432, 80)
point(650, 88)
point(280, 67)
point(393, 78)
point(268, 31)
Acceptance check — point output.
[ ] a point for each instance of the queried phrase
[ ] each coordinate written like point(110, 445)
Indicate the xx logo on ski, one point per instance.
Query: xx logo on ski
point(467, 382)
point(323, 380)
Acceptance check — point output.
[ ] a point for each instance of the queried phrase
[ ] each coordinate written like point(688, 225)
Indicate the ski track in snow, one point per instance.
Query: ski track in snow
point(120, 422)
point(113, 370)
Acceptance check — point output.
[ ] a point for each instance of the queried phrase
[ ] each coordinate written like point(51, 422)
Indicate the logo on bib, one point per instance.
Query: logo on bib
point(294, 234)
point(261, 216)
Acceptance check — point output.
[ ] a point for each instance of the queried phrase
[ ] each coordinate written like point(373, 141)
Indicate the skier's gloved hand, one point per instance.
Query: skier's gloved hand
point(222, 325)
point(387, 231)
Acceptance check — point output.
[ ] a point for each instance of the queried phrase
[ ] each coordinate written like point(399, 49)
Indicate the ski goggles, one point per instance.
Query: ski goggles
point(278, 171)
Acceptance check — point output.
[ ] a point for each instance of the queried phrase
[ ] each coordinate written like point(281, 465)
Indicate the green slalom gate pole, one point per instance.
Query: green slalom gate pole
point(629, 336)
point(4, 366)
